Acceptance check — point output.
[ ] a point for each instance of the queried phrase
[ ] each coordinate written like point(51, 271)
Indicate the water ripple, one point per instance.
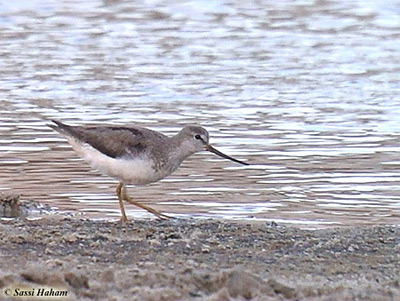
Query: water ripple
point(307, 92)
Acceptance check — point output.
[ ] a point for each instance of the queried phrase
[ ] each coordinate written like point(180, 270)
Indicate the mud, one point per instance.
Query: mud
point(186, 259)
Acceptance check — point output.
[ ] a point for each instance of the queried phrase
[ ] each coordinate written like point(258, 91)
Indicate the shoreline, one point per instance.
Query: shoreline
point(191, 259)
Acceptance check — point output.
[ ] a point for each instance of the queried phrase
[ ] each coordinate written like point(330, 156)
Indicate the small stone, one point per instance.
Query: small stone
point(242, 284)
point(53, 263)
point(280, 288)
point(108, 276)
point(70, 238)
point(48, 251)
point(76, 281)
point(154, 242)
point(205, 249)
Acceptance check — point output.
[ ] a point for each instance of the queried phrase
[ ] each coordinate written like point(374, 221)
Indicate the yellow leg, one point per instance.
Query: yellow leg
point(121, 202)
point(149, 209)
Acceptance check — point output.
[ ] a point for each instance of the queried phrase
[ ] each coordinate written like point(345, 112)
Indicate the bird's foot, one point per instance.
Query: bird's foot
point(123, 219)
point(162, 215)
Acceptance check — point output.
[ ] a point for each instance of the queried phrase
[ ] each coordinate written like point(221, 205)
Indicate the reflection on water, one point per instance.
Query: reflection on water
point(307, 91)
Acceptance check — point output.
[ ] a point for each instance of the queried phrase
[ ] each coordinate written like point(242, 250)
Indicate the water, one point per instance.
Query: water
point(307, 91)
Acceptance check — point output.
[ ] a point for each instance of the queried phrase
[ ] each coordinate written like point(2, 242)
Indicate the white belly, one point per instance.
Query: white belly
point(136, 171)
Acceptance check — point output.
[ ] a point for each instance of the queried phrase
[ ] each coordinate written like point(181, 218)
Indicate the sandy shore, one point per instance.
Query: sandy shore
point(196, 260)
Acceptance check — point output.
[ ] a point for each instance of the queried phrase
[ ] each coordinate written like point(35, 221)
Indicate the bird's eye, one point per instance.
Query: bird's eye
point(198, 137)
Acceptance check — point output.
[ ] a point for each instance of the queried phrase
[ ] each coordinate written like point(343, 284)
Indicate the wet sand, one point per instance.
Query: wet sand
point(185, 259)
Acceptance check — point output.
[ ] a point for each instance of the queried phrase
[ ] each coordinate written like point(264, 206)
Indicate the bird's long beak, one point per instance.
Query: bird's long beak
point(217, 152)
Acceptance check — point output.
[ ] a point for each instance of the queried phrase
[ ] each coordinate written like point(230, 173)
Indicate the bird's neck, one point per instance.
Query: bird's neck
point(180, 149)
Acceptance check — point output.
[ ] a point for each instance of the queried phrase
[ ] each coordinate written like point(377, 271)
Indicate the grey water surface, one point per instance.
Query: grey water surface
point(306, 91)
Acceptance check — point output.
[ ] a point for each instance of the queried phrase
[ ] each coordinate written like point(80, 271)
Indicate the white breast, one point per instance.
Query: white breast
point(137, 171)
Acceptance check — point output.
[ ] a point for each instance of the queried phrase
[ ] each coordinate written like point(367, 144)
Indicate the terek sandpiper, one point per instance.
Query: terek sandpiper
point(135, 155)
